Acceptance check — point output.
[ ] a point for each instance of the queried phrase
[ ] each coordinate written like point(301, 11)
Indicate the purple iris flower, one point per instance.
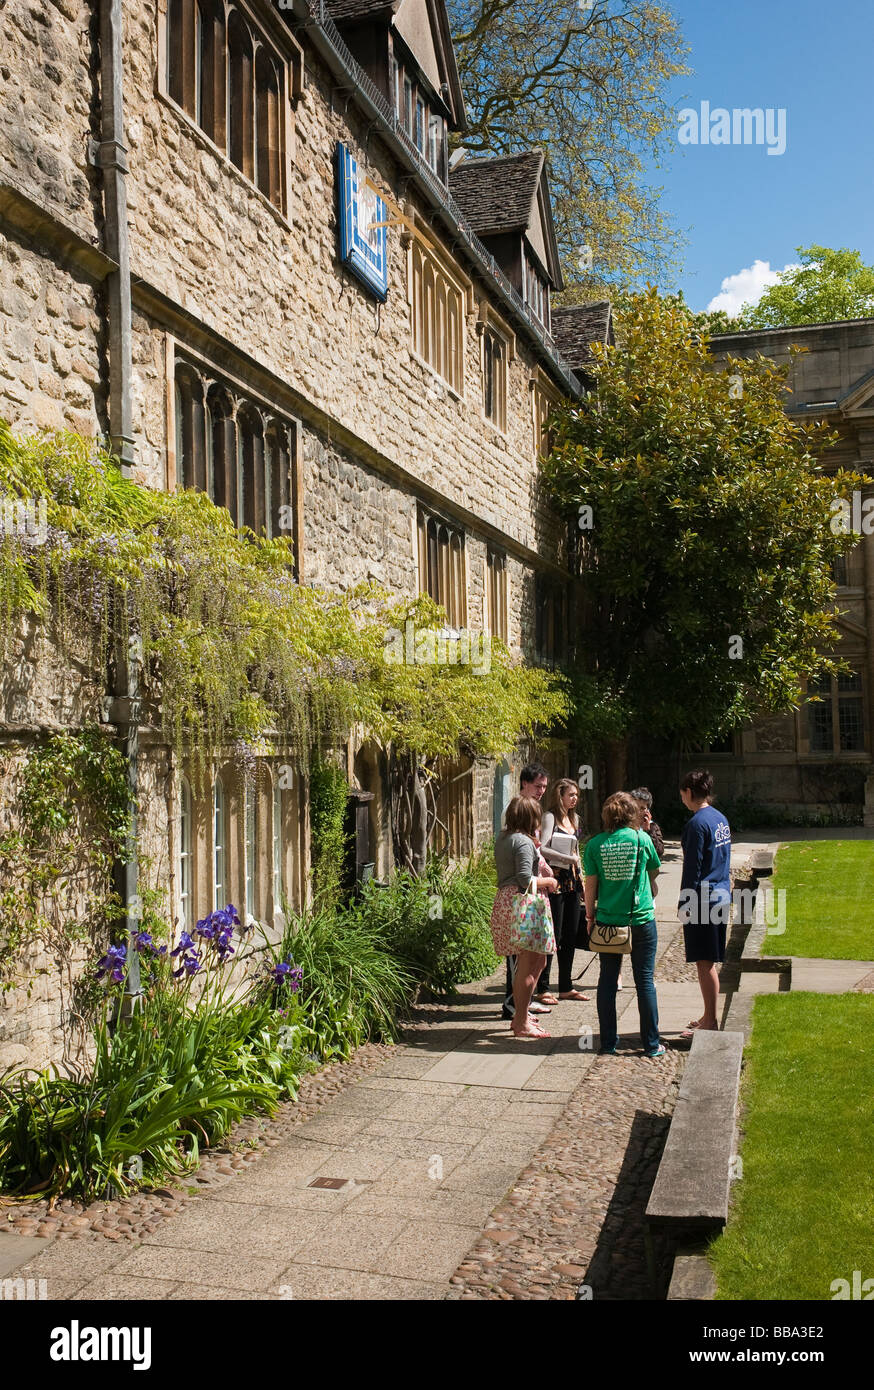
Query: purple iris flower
point(286, 973)
point(113, 963)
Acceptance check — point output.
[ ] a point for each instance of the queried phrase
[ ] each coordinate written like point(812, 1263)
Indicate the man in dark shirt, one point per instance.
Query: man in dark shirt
point(705, 890)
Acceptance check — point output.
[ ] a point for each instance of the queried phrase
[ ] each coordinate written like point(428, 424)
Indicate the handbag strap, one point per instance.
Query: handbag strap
point(634, 881)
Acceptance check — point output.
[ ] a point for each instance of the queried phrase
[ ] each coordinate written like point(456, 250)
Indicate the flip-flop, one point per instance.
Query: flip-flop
point(576, 996)
point(535, 1008)
point(690, 1031)
point(547, 998)
point(528, 1037)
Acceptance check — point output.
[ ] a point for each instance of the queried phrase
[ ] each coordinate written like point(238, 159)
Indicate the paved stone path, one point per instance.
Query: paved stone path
point(460, 1164)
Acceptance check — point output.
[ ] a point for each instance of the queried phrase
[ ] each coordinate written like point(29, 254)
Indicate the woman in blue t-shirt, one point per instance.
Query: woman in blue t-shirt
point(705, 890)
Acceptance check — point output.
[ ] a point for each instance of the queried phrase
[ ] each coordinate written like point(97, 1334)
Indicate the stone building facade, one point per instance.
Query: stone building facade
point(817, 761)
point(310, 328)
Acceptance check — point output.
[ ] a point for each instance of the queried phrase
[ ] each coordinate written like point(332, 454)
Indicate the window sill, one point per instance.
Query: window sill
point(229, 166)
point(432, 371)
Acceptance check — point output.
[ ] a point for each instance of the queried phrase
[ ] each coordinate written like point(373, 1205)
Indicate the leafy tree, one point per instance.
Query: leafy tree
point(706, 537)
point(826, 287)
point(586, 82)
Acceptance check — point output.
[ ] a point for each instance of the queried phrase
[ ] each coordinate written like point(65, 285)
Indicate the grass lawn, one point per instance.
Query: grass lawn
point(829, 900)
point(803, 1212)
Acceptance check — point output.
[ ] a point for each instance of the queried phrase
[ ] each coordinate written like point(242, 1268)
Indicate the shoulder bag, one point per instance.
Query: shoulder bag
point(617, 940)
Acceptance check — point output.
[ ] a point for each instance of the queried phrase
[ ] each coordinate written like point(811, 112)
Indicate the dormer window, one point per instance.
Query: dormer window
point(425, 126)
point(437, 145)
point(536, 291)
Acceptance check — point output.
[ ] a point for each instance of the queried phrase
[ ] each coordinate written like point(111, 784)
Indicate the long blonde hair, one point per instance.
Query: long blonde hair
point(555, 802)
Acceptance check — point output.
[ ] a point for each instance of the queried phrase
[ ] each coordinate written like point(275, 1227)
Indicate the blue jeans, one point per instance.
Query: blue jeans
point(643, 951)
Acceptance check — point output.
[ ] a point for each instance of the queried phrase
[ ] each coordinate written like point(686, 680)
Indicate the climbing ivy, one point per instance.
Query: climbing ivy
point(69, 822)
point(328, 798)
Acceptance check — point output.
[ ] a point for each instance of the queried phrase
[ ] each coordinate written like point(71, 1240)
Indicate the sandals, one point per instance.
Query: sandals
point(546, 998)
point(575, 994)
point(697, 1028)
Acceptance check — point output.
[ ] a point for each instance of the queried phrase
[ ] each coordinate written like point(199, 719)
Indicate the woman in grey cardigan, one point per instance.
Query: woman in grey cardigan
point(518, 860)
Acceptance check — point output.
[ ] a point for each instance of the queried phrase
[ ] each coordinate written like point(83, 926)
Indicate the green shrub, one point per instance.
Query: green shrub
point(328, 798)
point(437, 924)
point(353, 988)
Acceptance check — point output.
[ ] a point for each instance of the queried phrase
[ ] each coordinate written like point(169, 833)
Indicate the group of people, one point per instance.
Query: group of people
point(555, 897)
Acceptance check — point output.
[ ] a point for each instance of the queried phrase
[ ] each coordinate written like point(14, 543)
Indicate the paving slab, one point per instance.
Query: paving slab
point(116, 1287)
point(17, 1250)
point(759, 982)
point(251, 1274)
point(827, 976)
point(349, 1242)
point(678, 1003)
point(311, 1282)
point(432, 1245)
point(487, 1069)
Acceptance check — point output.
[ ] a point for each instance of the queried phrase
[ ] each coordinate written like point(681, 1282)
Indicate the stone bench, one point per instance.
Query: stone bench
point(688, 1204)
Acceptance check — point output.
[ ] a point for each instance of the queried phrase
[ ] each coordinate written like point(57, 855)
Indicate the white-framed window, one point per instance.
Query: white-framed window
point(219, 845)
point(250, 837)
point(185, 857)
point(278, 846)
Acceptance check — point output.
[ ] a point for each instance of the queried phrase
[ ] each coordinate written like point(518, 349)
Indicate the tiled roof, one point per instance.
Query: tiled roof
point(496, 195)
point(577, 326)
point(357, 9)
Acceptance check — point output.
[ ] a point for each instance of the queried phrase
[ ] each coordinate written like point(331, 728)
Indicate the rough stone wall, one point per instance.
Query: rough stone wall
point(51, 364)
point(204, 236)
point(48, 64)
point(357, 524)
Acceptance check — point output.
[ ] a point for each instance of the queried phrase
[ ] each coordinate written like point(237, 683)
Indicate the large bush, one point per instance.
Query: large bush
point(438, 924)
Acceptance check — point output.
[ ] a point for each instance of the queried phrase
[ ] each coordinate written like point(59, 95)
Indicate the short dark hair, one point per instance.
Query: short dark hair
point(700, 784)
point(531, 772)
point(643, 794)
point(523, 816)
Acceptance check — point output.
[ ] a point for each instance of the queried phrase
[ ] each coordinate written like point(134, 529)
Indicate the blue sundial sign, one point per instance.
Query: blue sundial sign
point(363, 230)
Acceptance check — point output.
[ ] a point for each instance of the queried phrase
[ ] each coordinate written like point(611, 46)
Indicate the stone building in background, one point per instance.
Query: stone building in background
point(231, 242)
point(817, 761)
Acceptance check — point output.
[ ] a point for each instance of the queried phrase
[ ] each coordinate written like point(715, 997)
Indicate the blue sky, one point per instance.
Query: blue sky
point(736, 204)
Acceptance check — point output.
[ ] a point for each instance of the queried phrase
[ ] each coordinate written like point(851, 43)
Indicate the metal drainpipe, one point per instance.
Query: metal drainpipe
point(111, 158)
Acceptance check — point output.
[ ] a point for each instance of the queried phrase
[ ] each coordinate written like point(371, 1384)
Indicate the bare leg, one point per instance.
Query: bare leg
point(708, 979)
point(528, 967)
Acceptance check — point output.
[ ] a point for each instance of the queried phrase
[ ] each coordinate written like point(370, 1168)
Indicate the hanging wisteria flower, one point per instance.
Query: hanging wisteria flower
point(284, 973)
point(113, 963)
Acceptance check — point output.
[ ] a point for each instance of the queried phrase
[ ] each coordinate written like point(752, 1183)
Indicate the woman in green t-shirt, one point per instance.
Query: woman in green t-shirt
point(621, 865)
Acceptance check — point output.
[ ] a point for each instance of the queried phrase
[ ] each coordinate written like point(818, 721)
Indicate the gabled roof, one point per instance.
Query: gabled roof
point(508, 193)
point(385, 11)
point(576, 326)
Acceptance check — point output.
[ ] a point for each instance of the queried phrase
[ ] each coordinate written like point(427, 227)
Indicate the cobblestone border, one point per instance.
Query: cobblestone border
point(128, 1218)
point(576, 1213)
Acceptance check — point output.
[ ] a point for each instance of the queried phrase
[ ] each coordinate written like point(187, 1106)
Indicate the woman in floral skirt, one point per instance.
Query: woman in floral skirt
point(522, 922)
